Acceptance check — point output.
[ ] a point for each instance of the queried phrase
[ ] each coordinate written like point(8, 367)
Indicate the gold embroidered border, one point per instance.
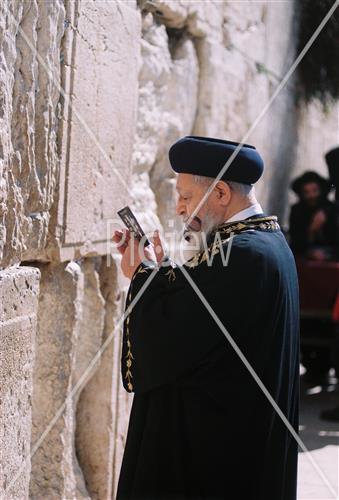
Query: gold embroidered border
point(269, 223)
point(129, 356)
point(171, 275)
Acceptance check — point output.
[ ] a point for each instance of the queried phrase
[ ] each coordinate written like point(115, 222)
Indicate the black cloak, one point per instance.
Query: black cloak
point(200, 427)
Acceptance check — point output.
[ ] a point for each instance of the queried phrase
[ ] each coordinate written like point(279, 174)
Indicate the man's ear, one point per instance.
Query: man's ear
point(223, 193)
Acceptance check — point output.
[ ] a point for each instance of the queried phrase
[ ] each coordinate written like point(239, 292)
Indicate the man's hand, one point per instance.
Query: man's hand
point(133, 252)
point(318, 220)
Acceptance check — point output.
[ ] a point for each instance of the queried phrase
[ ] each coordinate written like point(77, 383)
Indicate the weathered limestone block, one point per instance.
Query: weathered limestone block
point(19, 290)
point(168, 87)
point(79, 405)
point(154, 76)
point(200, 18)
point(243, 23)
point(100, 51)
point(60, 310)
point(213, 86)
point(228, 73)
point(97, 45)
point(28, 123)
point(91, 321)
point(103, 406)
point(179, 106)
point(91, 325)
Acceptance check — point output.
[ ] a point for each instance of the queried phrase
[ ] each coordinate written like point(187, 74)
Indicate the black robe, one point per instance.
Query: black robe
point(200, 427)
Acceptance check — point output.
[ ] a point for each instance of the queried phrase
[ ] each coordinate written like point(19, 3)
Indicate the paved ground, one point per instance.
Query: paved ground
point(322, 440)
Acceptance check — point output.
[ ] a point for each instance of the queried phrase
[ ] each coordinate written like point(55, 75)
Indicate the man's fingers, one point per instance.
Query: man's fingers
point(117, 236)
point(121, 238)
point(121, 235)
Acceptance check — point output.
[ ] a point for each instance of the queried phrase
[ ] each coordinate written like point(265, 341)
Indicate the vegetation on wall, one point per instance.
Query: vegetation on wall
point(319, 70)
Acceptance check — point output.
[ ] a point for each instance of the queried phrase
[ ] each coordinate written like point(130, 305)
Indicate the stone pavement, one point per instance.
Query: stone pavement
point(322, 440)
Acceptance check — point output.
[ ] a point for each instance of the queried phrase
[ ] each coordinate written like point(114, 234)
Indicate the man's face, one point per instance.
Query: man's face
point(311, 193)
point(190, 193)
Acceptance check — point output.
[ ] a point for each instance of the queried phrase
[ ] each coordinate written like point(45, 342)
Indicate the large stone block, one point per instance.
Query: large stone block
point(19, 290)
point(60, 307)
point(102, 409)
point(87, 353)
point(69, 82)
point(30, 37)
point(80, 409)
point(100, 76)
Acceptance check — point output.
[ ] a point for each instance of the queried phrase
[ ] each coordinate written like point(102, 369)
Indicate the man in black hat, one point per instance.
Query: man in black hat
point(332, 160)
point(314, 222)
point(201, 426)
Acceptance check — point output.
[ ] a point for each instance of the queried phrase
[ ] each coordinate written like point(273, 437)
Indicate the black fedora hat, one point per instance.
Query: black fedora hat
point(311, 176)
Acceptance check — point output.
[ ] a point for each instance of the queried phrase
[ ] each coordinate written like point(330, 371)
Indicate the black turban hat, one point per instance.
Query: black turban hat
point(207, 155)
point(311, 176)
point(332, 160)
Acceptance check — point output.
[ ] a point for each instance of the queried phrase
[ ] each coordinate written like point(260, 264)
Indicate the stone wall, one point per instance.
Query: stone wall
point(92, 94)
point(69, 95)
point(19, 291)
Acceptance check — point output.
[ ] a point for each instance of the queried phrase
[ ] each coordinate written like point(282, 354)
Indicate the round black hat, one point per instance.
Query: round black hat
point(207, 156)
point(311, 176)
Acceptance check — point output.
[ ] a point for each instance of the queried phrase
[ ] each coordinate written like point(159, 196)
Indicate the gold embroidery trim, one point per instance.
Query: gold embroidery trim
point(171, 275)
point(203, 256)
point(269, 223)
point(129, 356)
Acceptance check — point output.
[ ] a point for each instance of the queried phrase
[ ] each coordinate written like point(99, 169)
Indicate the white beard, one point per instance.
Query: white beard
point(197, 239)
point(188, 249)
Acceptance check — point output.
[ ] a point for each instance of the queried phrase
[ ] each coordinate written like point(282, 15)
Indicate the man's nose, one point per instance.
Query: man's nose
point(180, 209)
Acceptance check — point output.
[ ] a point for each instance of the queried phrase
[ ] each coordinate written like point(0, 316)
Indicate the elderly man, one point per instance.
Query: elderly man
point(200, 425)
